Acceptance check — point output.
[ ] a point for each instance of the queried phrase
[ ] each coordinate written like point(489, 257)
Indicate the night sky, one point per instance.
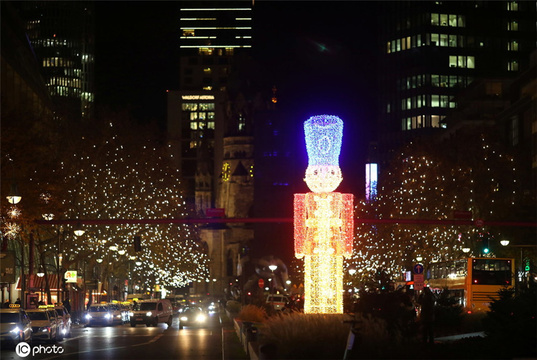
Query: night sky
point(320, 55)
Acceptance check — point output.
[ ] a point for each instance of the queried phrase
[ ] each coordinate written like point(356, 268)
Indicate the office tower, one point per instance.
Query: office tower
point(432, 49)
point(62, 37)
point(213, 36)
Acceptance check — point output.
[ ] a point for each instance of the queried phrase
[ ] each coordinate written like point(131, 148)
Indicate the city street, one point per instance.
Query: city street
point(140, 342)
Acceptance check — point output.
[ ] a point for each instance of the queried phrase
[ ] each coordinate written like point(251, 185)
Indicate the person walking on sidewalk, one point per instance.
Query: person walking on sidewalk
point(426, 300)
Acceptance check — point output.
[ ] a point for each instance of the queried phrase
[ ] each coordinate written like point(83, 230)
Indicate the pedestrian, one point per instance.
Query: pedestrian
point(426, 300)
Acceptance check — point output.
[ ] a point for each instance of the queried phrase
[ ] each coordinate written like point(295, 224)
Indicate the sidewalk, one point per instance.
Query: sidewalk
point(231, 346)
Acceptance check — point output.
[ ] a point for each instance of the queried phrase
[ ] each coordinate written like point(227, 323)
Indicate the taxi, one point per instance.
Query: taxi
point(15, 325)
point(44, 326)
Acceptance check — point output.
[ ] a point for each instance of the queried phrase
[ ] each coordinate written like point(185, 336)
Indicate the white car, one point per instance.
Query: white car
point(44, 327)
point(99, 314)
point(65, 330)
point(15, 325)
point(117, 313)
point(152, 312)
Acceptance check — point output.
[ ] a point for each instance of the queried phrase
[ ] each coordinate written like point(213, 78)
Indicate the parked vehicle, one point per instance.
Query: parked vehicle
point(99, 314)
point(152, 312)
point(54, 316)
point(65, 317)
point(15, 325)
point(192, 316)
point(277, 301)
point(44, 326)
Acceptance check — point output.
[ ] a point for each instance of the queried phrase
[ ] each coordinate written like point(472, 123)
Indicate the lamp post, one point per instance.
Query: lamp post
point(272, 267)
point(40, 274)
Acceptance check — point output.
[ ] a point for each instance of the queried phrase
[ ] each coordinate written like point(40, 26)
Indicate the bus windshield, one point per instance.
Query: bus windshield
point(491, 272)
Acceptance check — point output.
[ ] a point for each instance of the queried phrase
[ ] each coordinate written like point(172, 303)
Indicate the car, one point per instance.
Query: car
point(53, 314)
point(44, 326)
point(65, 317)
point(152, 312)
point(192, 316)
point(99, 314)
point(15, 325)
point(125, 311)
point(277, 301)
point(117, 313)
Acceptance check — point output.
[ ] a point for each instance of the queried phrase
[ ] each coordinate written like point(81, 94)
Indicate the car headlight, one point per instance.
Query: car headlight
point(184, 318)
point(149, 313)
point(15, 330)
point(88, 316)
point(200, 318)
point(44, 329)
point(107, 316)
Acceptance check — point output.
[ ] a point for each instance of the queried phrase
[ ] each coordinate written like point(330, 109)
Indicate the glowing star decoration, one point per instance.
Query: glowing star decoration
point(323, 219)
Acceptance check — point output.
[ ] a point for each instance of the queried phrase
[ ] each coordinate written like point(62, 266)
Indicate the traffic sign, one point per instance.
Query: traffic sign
point(261, 283)
point(418, 269)
point(418, 281)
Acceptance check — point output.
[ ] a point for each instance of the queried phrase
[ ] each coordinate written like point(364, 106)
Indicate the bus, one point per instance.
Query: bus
point(474, 282)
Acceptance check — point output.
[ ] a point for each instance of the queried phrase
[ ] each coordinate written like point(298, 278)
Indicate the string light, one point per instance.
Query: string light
point(432, 187)
point(122, 178)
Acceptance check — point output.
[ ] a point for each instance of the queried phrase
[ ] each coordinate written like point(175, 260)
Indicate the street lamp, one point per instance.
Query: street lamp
point(272, 267)
point(14, 196)
point(79, 230)
point(504, 242)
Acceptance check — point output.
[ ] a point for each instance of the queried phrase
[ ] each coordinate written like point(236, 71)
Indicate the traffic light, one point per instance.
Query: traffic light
point(137, 244)
point(486, 249)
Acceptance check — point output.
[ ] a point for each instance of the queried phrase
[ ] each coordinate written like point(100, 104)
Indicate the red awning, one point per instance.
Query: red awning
point(39, 282)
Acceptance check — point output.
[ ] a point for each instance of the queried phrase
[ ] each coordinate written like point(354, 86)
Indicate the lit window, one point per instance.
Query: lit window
point(471, 62)
point(388, 45)
point(210, 125)
point(512, 65)
point(452, 20)
point(435, 19)
point(512, 6)
point(434, 40)
point(512, 45)
point(512, 26)
point(435, 121)
point(435, 100)
point(194, 125)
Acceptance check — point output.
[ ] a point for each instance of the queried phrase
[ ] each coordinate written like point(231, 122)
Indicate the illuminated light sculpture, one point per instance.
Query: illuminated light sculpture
point(323, 219)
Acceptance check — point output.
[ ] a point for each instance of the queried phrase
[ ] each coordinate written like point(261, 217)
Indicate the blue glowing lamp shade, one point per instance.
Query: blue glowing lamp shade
point(324, 134)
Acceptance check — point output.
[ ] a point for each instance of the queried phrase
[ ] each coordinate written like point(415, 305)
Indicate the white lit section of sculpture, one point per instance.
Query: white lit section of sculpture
point(323, 219)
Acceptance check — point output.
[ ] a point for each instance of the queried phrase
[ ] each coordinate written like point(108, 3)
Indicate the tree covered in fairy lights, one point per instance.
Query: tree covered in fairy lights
point(116, 170)
point(431, 181)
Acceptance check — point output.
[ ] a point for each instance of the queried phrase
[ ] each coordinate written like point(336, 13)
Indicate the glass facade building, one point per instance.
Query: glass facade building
point(62, 36)
point(430, 50)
